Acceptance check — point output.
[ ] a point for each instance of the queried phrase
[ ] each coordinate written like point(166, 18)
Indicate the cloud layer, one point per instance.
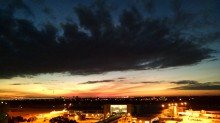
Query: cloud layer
point(136, 43)
point(94, 82)
point(194, 85)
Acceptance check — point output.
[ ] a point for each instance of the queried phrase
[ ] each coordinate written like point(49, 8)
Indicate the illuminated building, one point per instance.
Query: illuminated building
point(111, 109)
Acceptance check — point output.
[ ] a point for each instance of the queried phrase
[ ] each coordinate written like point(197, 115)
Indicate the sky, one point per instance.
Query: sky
point(109, 48)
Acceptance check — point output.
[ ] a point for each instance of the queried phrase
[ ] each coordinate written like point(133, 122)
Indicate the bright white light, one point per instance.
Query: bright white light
point(118, 108)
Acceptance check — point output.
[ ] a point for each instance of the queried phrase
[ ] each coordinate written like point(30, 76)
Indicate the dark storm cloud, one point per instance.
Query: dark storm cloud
point(136, 43)
point(48, 11)
point(94, 82)
point(38, 1)
point(194, 85)
point(11, 5)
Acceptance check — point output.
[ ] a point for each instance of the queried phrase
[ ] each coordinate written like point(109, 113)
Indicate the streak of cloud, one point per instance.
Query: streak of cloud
point(194, 85)
point(94, 82)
